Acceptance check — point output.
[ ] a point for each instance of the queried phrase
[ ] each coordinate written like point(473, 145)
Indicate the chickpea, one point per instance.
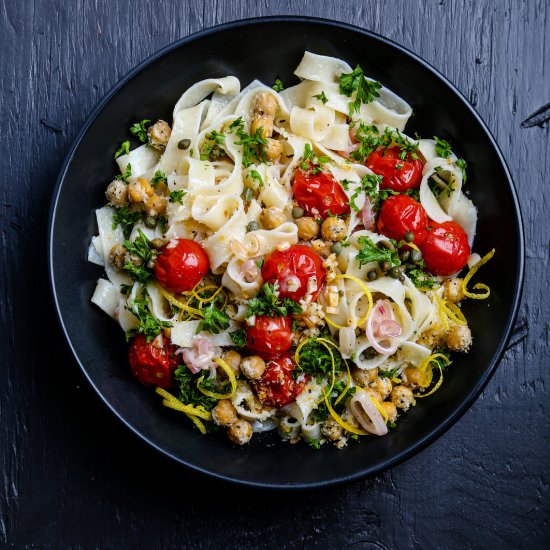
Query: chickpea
point(157, 244)
point(233, 359)
point(373, 394)
point(272, 217)
point(272, 150)
point(265, 104)
point(155, 205)
point(364, 377)
point(402, 397)
point(412, 376)
point(383, 386)
point(159, 134)
point(459, 338)
point(333, 229)
point(139, 190)
point(117, 193)
point(432, 337)
point(331, 429)
point(321, 247)
point(224, 413)
point(308, 228)
point(452, 290)
point(253, 367)
point(240, 432)
point(265, 123)
point(391, 410)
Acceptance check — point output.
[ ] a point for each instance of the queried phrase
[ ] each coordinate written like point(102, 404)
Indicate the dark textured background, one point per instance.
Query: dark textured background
point(71, 477)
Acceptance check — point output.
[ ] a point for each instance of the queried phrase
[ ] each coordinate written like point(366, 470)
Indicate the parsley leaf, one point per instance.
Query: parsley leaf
point(163, 223)
point(267, 302)
point(126, 174)
point(126, 218)
point(159, 177)
point(148, 325)
point(238, 337)
point(369, 185)
point(392, 373)
point(370, 252)
point(211, 149)
point(177, 196)
point(315, 359)
point(366, 90)
point(314, 443)
point(252, 144)
point(462, 164)
point(278, 86)
point(255, 175)
point(188, 391)
point(124, 149)
point(442, 147)
point(321, 97)
point(215, 321)
point(421, 279)
point(141, 249)
point(139, 130)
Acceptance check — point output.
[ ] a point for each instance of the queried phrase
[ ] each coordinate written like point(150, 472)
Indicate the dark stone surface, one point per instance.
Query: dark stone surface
point(72, 477)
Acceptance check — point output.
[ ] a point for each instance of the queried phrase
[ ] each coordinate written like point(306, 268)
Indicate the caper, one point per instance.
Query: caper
point(337, 248)
point(416, 256)
point(402, 278)
point(385, 266)
point(394, 272)
point(370, 353)
point(404, 255)
point(387, 244)
point(157, 244)
point(408, 267)
point(298, 212)
point(372, 275)
point(215, 154)
point(408, 237)
point(150, 222)
point(184, 144)
point(253, 226)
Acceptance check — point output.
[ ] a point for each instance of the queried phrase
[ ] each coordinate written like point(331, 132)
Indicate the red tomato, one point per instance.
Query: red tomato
point(276, 387)
point(292, 269)
point(445, 248)
point(319, 193)
point(181, 267)
point(400, 214)
point(270, 336)
point(399, 174)
point(150, 364)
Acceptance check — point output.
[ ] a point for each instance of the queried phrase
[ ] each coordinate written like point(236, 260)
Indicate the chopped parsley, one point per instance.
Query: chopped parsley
point(211, 149)
point(370, 252)
point(162, 222)
point(126, 218)
point(321, 413)
point(159, 177)
point(215, 320)
point(177, 196)
point(392, 373)
point(252, 144)
point(124, 149)
point(267, 302)
point(314, 443)
point(442, 147)
point(278, 86)
point(139, 130)
point(369, 185)
point(365, 90)
point(462, 164)
point(310, 161)
point(420, 278)
point(370, 139)
point(321, 97)
point(188, 390)
point(255, 175)
point(141, 248)
point(315, 359)
point(126, 174)
point(148, 324)
point(238, 337)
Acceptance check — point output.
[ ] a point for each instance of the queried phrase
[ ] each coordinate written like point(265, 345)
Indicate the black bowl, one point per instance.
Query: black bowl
point(150, 91)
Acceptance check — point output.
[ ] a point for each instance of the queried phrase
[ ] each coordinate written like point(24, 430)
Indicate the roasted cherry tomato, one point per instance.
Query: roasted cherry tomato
point(277, 387)
point(399, 215)
point(445, 248)
point(270, 336)
point(398, 174)
point(154, 362)
point(292, 269)
point(319, 194)
point(179, 268)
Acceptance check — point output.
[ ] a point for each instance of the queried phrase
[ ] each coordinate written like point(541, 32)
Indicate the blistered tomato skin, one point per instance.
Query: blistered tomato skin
point(270, 336)
point(277, 387)
point(399, 215)
point(445, 249)
point(319, 194)
point(180, 268)
point(153, 363)
point(292, 269)
point(398, 175)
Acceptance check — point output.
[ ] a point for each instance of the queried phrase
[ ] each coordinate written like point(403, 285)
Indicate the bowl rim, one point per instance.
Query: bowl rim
point(467, 400)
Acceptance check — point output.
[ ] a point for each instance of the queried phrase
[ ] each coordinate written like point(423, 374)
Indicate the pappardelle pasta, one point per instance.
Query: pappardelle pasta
point(288, 259)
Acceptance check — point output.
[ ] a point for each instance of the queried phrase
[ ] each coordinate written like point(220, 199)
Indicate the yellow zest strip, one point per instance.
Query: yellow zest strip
point(479, 286)
point(174, 403)
point(426, 374)
point(175, 302)
point(441, 313)
point(341, 422)
point(451, 311)
point(364, 288)
point(405, 243)
point(436, 387)
point(201, 427)
point(381, 409)
point(232, 380)
point(209, 287)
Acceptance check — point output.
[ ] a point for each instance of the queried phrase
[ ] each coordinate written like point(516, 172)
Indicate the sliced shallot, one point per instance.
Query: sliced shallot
point(367, 414)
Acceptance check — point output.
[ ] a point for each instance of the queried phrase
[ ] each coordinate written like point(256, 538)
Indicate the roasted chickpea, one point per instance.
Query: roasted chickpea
point(265, 123)
point(331, 429)
point(364, 377)
point(432, 337)
point(391, 410)
point(333, 229)
point(233, 359)
point(308, 228)
point(159, 134)
point(383, 386)
point(412, 376)
point(265, 104)
point(452, 290)
point(139, 190)
point(224, 413)
point(240, 432)
point(459, 338)
point(253, 367)
point(272, 217)
point(373, 394)
point(273, 149)
point(155, 205)
point(117, 193)
point(402, 397)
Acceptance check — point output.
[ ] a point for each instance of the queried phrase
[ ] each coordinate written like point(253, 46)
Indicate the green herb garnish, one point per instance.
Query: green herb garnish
point(124, 149)
point(365, 90)
point(267, 302)
point(138, 129)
